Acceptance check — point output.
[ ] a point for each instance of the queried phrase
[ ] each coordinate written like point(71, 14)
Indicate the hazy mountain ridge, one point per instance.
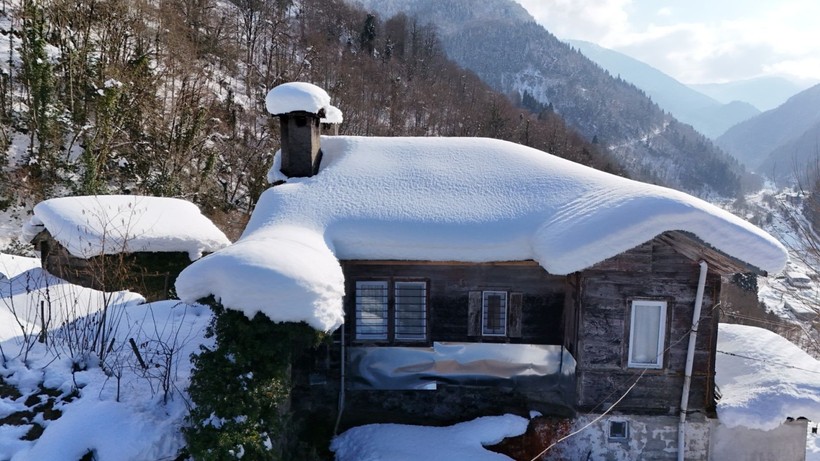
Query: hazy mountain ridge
point(769, 142)
point(707, 115)
point(524, 60)
point(765, 93)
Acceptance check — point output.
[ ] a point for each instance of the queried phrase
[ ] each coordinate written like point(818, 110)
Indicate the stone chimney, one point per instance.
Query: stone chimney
point(301, 150)
point(301, 108)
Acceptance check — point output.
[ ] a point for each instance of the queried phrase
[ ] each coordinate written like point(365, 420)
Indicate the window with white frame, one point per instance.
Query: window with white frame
point(410, 310)
point(371, 310)
point(647, 333)
point(494, 313)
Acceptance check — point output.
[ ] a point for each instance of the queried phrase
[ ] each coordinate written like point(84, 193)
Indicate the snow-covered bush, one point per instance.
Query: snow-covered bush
point(241, 389)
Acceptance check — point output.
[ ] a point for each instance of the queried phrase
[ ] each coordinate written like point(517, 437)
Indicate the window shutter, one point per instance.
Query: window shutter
point(474, 314)
point(515, 307)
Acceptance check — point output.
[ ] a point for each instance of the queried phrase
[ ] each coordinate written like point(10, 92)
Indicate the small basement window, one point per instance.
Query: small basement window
point(618, 430)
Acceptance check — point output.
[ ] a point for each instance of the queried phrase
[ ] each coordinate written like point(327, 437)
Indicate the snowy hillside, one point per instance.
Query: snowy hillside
point(705, 114)
point(649, 144)
point(782, 130)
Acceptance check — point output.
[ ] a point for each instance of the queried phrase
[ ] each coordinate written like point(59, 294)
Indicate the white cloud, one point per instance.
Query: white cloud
point(696, 40)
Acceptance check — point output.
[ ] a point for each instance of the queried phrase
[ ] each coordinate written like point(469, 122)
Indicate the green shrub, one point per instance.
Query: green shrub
point(241, 389)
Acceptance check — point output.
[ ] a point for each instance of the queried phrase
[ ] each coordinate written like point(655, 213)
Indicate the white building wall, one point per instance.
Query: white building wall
point(785, 443)
point(649, 438)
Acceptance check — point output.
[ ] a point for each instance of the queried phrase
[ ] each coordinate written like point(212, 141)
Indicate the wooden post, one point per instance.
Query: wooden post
point(43, 331)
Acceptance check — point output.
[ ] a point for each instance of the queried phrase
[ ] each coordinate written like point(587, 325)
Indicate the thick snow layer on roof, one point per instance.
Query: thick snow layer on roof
point(295, 97)
point(106, 224)
point(332, 115)
point(288, 274)
point(459, 199)
point(399, 442)
point(764, 379)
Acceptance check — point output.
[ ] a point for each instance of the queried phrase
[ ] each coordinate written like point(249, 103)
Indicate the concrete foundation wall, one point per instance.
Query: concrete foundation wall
point(785, 443)
point(648, 438)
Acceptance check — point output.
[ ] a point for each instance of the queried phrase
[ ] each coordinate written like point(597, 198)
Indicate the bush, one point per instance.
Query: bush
point(241, 389)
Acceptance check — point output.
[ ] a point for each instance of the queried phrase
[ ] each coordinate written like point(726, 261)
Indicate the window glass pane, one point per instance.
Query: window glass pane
point(646, 334)
point(411, 310)
point(494, 313)
point(371, 310)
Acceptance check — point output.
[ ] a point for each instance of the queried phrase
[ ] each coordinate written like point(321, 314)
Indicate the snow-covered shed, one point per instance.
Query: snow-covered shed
point(117, 242)
point(476, 276)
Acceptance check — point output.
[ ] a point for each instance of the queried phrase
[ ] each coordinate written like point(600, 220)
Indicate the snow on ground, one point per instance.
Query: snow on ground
point(11, 265)
point(447, 199)
point(106, 224)
point(34, 298)
point(764, 379)
point(11, 221)
point(122, 412)
point(398, 442)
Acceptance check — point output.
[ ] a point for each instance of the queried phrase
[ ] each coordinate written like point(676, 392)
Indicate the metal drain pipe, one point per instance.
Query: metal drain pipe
point(690, 359)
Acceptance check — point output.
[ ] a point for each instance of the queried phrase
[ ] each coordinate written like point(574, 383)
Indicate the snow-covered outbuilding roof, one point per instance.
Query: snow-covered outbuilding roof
point(445, 199)
point(94, 225)
point(764, 379)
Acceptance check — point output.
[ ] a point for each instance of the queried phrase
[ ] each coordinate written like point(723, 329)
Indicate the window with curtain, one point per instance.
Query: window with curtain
point(647, 334)
point(371, 310)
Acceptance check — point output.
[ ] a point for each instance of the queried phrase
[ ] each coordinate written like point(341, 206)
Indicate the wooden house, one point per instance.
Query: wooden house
point(467, 277)
point(121, 242)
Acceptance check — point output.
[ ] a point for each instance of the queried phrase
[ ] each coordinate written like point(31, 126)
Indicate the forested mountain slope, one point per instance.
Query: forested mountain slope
point(516, 56)
point(779, 141)
point(707, 115)
point(166, 97)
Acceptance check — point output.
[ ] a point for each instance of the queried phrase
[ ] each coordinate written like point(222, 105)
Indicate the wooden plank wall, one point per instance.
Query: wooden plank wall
point(651, 271)
point(449, 288)
point(149, 274)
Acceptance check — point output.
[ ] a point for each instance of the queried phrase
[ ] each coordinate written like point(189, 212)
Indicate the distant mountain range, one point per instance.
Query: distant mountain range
point(502, 43)
point(782, 142)
point(706, 114)
point(765, 93)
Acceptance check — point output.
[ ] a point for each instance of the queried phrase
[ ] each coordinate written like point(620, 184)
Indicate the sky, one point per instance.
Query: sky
point(696, 41)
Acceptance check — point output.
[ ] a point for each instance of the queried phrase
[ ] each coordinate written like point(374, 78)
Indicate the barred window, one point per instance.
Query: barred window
point(411, 310)
point(388, 310)
point(371, 310)
point(494, 313)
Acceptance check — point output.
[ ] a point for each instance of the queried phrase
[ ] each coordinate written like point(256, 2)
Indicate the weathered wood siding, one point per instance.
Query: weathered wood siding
point(149, 274)
point(449, 288)
point(651, 271)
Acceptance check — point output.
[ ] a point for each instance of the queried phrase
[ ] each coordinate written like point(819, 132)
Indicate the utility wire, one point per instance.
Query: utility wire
point(623, 396)
point(784, 365)
point(598, 418)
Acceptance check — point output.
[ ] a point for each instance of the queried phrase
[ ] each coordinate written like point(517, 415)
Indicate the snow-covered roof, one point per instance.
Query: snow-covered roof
point(764, 379)
point(332, 115)
point(301, 97)
point(446, 199)
point(93, 225)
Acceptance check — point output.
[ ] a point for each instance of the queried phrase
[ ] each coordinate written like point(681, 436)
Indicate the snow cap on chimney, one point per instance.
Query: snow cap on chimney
point(297, 97)
point(301, 107)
